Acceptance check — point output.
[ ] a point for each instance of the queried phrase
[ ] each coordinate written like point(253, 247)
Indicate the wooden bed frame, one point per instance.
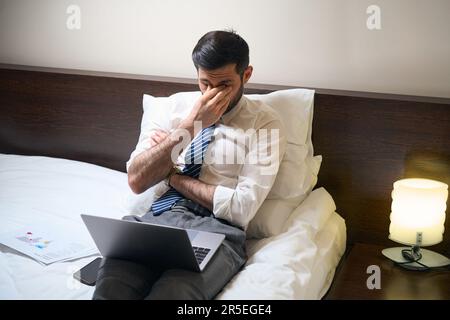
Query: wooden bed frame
point(367, 140)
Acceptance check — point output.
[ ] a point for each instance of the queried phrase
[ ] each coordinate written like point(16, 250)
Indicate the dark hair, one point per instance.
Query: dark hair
point(219, 48)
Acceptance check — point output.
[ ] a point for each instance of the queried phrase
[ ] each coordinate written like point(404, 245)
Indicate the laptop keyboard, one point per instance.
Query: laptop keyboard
point(200, 253)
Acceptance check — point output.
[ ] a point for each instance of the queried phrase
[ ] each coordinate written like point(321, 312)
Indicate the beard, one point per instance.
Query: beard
point(236, 98)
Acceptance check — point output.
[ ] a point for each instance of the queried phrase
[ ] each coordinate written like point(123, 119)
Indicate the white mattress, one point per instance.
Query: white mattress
point(298, 264)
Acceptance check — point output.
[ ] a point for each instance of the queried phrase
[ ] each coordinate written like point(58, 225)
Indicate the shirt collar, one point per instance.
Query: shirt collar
point(227, 117)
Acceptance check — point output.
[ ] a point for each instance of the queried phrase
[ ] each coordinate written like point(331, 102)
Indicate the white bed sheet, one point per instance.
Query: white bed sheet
point(298, 264)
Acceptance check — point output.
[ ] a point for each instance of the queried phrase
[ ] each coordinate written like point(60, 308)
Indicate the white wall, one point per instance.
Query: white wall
point(314, 43)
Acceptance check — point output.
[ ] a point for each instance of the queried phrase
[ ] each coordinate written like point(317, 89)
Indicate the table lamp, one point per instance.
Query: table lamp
point(417, 220)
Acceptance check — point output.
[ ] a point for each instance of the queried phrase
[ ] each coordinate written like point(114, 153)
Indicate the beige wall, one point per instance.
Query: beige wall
point(313, 43)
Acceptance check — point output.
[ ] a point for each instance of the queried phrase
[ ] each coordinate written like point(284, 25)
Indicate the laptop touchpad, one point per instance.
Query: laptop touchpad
point(192, 234)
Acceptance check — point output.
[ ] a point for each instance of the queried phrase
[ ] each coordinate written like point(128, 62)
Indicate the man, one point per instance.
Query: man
point(217, 196)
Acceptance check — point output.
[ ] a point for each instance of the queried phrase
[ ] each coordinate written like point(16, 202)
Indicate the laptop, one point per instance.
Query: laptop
point(156, 245)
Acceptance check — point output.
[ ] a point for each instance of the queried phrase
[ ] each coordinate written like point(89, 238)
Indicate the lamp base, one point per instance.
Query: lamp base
point(429, 259)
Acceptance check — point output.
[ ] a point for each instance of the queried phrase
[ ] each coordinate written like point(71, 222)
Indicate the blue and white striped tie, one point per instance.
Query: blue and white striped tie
point(194, 159)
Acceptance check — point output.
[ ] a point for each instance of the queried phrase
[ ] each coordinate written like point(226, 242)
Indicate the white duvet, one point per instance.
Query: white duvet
point(297, 264)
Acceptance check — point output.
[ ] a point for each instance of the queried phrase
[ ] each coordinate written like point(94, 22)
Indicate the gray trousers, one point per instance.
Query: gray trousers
point(121, 279)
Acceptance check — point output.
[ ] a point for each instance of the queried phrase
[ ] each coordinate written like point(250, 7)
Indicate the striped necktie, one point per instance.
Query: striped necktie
point(193, 159)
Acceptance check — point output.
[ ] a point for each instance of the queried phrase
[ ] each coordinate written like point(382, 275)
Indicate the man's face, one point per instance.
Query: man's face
point(225, 76)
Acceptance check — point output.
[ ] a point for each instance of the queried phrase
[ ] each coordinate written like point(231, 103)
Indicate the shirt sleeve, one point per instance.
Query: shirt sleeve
point(258, 173)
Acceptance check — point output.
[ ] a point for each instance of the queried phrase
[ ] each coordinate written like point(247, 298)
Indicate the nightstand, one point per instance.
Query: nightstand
point(350, 281)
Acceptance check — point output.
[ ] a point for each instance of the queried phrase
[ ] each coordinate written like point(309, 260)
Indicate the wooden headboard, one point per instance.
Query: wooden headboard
point(367, 140)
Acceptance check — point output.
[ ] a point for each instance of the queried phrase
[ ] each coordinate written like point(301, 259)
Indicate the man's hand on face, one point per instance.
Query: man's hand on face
point(211, 106)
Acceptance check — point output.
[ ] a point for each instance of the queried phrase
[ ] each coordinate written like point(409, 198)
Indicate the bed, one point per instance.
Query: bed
point(53, 192)
point(85, 124)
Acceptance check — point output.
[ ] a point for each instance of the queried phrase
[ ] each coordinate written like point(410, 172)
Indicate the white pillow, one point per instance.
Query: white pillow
point(299, 168)
point(294, 107)
point(282, 267)
point(298, 171)
point(315, 210)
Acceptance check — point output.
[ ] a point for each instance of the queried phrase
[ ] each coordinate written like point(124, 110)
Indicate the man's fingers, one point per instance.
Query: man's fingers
point(160, 133)
point(152, 142)
point(220, 96)
point(157, 137)
point(210, 93)
point(223, 105)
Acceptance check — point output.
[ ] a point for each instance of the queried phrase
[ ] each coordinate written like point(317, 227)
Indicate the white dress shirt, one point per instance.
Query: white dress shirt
point(242, 159)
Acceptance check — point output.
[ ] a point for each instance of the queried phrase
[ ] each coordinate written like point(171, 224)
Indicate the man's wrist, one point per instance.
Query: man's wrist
point(188, 125)
point(173, 171)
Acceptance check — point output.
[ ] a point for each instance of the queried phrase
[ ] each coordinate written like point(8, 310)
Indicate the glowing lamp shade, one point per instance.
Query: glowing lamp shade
point(417, 220)
point(418, 211)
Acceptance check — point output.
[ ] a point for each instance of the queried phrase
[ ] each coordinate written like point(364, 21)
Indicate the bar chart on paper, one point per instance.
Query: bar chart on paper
point(46, 246)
